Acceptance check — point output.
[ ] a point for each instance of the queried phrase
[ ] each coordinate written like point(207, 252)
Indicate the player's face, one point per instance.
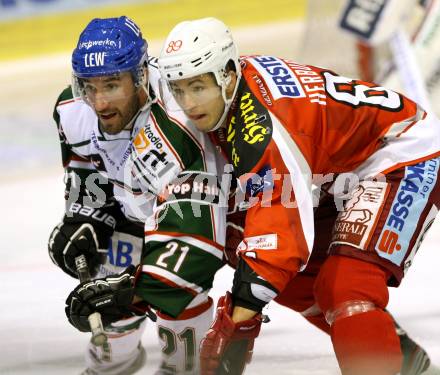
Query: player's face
point(115, 100)
point(201, 99)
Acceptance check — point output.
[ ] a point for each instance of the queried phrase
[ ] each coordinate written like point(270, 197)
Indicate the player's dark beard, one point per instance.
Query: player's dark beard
point(133, 109)
point(127, 116)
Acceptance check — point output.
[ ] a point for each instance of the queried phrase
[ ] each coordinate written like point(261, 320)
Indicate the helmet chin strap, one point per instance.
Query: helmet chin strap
point(227, 101)
point(150, 100)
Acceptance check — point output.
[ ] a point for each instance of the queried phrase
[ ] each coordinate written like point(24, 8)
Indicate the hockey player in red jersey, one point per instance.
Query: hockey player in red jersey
point(286, 128)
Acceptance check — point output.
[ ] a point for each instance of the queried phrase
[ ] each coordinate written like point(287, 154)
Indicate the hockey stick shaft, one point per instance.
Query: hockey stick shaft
point(234, 359)
point(409, 71)
point(99, 337)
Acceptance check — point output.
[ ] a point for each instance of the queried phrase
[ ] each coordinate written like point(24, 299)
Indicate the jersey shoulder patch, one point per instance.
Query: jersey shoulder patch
point(277, 76)
point(249, 131)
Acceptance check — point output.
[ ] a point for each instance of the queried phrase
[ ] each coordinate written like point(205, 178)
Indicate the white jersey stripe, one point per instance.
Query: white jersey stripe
point(420, 141)
point(189, 240)
point(297, 166)
point(172, 277)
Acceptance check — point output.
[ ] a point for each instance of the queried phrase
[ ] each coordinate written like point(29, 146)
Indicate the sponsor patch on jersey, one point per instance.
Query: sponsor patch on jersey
point(249, 131)
point(124, 249)
point(263, 242)
point(201, 187)
point(280, 79)
point(260, 181)
point(408, 204)
point(355, 224)
point(154, 163)
point(254, 120)
point(151, 136)
point(141, 142)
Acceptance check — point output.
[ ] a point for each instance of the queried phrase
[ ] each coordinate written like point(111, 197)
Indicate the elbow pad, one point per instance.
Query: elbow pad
point(250, 290)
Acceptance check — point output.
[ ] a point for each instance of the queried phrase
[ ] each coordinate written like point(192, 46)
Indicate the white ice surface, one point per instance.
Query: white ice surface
point(35, 337)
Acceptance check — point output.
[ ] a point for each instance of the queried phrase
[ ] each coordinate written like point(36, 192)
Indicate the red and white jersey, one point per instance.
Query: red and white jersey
point(291, 122)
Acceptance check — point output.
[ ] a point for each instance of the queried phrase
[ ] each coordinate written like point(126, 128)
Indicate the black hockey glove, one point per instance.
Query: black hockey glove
point(68, 240)
point(111, 296)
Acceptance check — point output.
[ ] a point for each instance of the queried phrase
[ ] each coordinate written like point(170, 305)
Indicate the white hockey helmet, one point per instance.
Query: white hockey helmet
point(198, 47)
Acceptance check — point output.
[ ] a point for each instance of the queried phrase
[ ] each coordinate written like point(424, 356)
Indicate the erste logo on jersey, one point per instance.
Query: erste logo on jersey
point(409, 203)
point(280, 79)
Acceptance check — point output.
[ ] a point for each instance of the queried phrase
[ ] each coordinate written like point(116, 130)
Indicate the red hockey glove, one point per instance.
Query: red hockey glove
point(227, 347)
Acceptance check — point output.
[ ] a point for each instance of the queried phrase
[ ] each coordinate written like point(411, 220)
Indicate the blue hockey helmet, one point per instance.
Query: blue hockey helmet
point(109, 46)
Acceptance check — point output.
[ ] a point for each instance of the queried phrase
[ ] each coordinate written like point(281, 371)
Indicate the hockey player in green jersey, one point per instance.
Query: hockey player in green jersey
point(132, 173)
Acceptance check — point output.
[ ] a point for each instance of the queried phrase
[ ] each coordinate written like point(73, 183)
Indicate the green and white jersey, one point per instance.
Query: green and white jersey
point(163, 173)
point(86, 148)
point(185, 235)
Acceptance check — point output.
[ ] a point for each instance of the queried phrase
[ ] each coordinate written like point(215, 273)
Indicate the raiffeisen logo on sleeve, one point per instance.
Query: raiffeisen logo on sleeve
point(408, 204)
point(280, 79)
point(263, 242)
